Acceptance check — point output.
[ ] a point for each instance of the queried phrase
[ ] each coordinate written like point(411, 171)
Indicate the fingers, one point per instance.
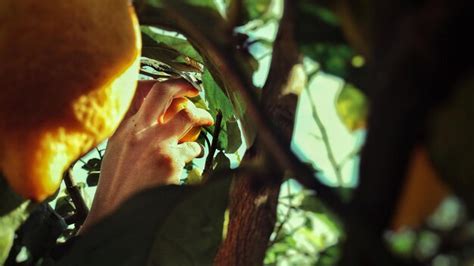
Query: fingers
point(160, 97)
point(190, 150)
point(186, 119)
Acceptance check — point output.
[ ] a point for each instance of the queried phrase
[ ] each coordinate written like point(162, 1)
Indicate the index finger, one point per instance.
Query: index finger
point(160, 97)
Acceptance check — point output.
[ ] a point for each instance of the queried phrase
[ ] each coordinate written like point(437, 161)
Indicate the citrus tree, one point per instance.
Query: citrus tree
point(255, 198)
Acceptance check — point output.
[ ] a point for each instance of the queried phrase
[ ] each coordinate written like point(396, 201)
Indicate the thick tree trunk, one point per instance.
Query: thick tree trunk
point(252, 218)
point(254, 198)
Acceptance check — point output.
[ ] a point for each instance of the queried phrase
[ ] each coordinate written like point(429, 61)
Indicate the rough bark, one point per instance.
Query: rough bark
point(253, 199)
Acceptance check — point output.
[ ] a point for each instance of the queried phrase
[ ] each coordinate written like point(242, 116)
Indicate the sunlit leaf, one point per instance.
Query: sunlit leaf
point(329, 256)
point(194, 176)
point(9, 222)
point(216, 98)
point(173, 45)
point(352, 107)
point(256, 8)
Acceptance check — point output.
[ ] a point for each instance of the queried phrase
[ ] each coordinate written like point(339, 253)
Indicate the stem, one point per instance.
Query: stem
point(325, 139)
point(213, 147)
point(349, 156)
point(99, 152)
point(81, 208)
point(285, 219)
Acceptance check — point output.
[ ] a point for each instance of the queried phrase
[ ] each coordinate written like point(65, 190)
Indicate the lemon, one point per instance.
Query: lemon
point(68, 74)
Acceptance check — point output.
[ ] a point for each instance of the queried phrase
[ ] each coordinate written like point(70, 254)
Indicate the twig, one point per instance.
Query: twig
point(81, 208)
point(325, 139)
point(289, 206)
point(285, 219)
point(100, 153)
point(213, 147)
point(264, 55)
point(349, 156)
point(315, 136)
point(312, 74)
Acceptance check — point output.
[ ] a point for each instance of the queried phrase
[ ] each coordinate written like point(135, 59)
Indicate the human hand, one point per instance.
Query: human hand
point(145, 151)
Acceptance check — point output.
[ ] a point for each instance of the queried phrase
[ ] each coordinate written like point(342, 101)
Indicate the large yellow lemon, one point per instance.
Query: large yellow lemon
point(68, 72)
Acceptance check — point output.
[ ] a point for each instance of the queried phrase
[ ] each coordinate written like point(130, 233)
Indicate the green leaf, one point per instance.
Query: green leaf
point(316, 24)
point(9, 222)
point(221, 162)
point(205, 27)
point(92, 165)
point(320, 38)
point(256, 8)
point(335, 59)
point(93, 178)
point(352, 107)
point(194, 176)
point(216, 98)
point(234, 138)
point(329, 256)
point(172, 47)
point(241, 12)
point(313, 204)
point(171, 225)
point(13, 211)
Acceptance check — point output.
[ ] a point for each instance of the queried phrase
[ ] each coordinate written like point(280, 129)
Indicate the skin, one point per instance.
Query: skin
point(145, 151)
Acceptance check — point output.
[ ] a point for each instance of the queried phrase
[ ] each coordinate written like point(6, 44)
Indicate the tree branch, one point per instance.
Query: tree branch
point(81, 207)
point(325, 139)
point(285, 219)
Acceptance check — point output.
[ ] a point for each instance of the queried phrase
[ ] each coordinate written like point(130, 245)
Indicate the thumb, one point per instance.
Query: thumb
point(190, 150)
